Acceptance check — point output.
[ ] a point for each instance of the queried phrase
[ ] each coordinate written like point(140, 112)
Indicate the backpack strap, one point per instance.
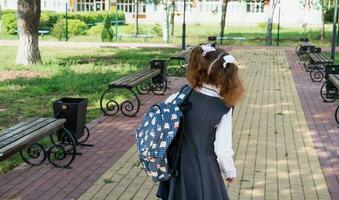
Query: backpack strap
point(183, 94)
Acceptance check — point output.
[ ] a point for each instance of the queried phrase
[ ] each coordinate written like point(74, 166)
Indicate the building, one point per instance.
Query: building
point(239, 12)
point(60, 5)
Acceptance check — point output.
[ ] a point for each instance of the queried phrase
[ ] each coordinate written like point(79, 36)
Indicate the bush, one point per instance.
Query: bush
point(8, 20)
point(130, 29)
point(75, 27)
point(48, 19)
point(107, 33)
point(263, 26)
point(96, 30)
point(329, 15)
point(95, 17)
point(157, 30)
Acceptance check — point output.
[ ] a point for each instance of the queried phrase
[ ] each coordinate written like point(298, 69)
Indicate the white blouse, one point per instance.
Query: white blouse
point(223, 138)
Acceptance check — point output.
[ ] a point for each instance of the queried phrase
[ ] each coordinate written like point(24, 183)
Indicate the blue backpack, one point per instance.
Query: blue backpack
point(155, 134)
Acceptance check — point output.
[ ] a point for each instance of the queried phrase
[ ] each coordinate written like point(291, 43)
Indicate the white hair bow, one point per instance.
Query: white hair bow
point(228, 59)
point(207, 48)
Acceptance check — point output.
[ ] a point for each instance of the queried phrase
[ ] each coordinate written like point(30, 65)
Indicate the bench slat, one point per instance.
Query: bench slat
point(31, 138)
point(22, 128)
point(21, 124)
point(148, 76)
point(130, 76)
point(320, 58)
point(13, 137)
point(136, 78)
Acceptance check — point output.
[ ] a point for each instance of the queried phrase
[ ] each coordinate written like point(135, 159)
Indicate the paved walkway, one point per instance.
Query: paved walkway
point(321, 122)
point(274, 153)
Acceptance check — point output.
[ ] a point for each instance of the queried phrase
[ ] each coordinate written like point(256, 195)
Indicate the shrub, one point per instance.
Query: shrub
point(329, 15)
point(8, 20)
point(95, 17)
point(96, 30)
point(130, 29)
point(107, 33)
point(48, 19)
point(157, 30)
point(75, 27)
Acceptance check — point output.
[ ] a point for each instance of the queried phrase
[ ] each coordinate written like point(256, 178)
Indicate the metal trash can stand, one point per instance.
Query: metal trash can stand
point(74, 110)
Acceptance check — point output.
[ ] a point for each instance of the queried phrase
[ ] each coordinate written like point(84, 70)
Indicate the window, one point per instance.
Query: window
point(255, 6)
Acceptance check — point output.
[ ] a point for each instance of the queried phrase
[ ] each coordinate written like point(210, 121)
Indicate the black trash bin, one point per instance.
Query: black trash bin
point(159, 64)
point(74, 111)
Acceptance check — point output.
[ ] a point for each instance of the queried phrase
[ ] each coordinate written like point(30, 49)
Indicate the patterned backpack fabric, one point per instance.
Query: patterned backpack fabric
point(155, 134)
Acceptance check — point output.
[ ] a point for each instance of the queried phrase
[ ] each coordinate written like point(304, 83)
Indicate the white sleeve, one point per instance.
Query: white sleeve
point(223, 146)
point(171, 98)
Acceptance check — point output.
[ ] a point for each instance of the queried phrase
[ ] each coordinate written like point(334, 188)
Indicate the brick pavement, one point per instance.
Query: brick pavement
point(274, 152)
point(111, 136)
point(321, 122)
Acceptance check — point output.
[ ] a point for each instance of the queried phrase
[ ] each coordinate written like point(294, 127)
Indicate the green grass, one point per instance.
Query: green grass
point(198, 33)
point(67, 72)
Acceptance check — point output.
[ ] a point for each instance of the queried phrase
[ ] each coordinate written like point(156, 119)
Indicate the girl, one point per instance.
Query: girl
point(206, 152)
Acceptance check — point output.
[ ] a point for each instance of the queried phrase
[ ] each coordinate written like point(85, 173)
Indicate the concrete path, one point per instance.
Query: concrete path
point(321, 122)
point(274, 152)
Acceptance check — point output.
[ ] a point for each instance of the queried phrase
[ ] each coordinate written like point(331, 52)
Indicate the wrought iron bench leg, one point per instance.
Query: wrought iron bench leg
point(112, 107)
point(34, 154)
point(328, 92)
point(317, 74)
point(160, 88)
point(63, 150)
point(336, 114)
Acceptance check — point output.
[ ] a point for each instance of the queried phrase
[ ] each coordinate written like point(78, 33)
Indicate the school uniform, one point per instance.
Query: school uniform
point(206, 152)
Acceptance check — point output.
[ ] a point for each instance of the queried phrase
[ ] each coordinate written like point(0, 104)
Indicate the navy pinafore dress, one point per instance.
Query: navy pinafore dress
point(199, 176)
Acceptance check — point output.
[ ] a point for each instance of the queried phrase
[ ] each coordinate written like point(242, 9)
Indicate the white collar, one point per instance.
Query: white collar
point(209, 90)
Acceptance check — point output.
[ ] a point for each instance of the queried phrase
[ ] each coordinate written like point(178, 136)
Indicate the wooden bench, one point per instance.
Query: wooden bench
point(146, 37)
point(328, 91)
point(303, 48)
point(316, 65)
point(177, 63)
point(24, 138)
point(141, 82)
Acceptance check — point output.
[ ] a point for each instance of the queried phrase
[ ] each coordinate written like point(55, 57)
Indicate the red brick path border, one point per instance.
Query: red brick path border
point(111, 136)
point(321, 122)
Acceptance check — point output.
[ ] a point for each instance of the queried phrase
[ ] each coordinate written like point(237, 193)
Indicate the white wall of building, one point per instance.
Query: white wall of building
point(48, 5)
point(292, 14)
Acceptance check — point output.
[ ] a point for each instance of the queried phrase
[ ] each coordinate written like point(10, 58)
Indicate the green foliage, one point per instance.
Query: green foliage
point(8, 20)
point(96, 17)
point(263, 26)
point(75, 27)
point(48, 19)
point(329, 15)
point(96, 30)
point(157, 30)
point(107, 33)
point(130, 29)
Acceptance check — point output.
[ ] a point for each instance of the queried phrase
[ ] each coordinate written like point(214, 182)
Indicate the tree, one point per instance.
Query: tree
point(323, 5)
point(136, 29)
point(172, 16)
point(28, 20)
point(223, 17)
point(273, 5)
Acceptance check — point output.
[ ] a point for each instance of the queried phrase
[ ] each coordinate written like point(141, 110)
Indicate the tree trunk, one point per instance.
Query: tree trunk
point(270, 24)
point(322, 32)
point(137, 18)
point(223, 19)
point(28, 26)
point(172, 17)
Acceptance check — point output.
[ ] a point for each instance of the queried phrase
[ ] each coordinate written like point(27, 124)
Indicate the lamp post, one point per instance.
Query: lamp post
point(183, 47)
point(116, 22)
point(334, 32)
point(278, 35)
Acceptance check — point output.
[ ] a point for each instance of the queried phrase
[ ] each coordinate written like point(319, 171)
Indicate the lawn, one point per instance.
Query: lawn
point(197, 33)
point(66, 72)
